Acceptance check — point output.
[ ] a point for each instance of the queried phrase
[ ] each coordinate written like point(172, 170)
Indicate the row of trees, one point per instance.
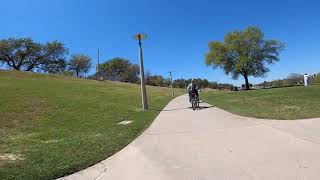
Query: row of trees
point(242, 53)
point(293, 79)
point(158, 80)
point(24, 54)
point(203, 83)
point(121, 69)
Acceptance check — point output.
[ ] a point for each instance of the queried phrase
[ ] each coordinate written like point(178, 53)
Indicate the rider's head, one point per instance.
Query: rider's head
point(193, 81)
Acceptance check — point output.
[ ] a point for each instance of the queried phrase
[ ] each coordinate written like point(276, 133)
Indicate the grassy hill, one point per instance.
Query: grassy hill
point(278, 103)
point(51, 126)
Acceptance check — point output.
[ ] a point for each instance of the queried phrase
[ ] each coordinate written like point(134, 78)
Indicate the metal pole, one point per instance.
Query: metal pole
point(98, 69)
point(143, 86)
point(98, 54)
point(170, 72)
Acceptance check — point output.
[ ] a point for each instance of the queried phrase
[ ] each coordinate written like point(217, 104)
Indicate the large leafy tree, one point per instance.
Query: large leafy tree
point(156, 80)
point(132, 74)
point(54, 58)
point(80, 63)
point(244, 53)
point(27, 55)
point(120, 69)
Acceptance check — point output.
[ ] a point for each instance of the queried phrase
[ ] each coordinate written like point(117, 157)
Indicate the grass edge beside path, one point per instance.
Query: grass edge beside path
point(291, 103)
point(52, 126)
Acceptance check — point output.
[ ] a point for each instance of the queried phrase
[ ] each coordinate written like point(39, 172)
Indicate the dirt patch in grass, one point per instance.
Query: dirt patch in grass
point(10, 158)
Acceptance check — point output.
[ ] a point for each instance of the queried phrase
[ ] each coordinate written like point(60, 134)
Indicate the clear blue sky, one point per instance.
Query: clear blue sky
point(178, 30)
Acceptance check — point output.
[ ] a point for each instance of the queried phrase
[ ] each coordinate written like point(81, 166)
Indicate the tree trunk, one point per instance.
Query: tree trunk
point(247, 81)
point(77, 72)
point(16, 68)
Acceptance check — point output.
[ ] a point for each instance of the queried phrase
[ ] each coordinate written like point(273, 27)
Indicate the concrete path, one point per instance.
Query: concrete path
point(212, 144)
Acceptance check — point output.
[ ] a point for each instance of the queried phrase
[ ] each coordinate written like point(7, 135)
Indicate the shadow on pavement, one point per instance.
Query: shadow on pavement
point(177, 109)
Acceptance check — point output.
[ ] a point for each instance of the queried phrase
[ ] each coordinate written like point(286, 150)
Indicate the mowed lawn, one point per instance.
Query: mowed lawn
point(51, 126)
point(277, 103)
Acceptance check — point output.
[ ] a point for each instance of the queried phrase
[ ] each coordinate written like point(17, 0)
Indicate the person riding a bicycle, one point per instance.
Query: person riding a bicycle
point(193, 89)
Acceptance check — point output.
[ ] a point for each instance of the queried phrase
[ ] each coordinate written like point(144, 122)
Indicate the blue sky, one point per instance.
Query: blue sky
point(178, 30)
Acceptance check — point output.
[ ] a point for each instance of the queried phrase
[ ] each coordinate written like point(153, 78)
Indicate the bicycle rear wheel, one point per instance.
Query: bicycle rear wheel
point(194, 104)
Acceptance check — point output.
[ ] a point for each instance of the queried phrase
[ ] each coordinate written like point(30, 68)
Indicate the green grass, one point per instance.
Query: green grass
point(279, 103)
point(56, 125)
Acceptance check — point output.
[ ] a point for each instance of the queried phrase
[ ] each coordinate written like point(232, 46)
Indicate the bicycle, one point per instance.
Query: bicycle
point(194, 101)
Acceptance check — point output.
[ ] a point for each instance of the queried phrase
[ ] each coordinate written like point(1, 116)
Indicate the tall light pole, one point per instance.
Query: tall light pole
point(170, 72)
point(98, 68)
point(98, 56)
point(139, 37)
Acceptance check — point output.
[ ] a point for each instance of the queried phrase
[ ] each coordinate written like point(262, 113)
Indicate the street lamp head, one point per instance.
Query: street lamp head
point(140, 36)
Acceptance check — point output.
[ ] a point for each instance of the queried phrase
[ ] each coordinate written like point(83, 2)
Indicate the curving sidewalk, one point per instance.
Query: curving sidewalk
point(212, 144)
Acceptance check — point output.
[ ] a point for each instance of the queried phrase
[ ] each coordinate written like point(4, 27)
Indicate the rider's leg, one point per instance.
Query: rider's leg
point(197, 94)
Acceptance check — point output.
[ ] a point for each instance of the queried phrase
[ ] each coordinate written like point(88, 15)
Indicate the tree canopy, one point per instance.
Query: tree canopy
point(80, 63)
point(244, 53)
point(26, 55)
point(119, 69)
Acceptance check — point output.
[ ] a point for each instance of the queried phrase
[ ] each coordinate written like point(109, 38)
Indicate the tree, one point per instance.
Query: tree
point(167, 82)
point(244, 53)
point(104, 70)
point(131, 74)
point(120, 69)
point(147, 75)
point(117, 67)
point(213, 85)
point(55, 58)
point(156, 80)
point(180, 83)
point(204, 83)
point(27, 55)
point(294, 79)
point(80, 63)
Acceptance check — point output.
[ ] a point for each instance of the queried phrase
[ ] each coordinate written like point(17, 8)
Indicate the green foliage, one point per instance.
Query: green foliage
point(180, 83)
point(155, 80)
point(119, 69)
point(26, 55)
point(131, 75)
point(203, 83)
point(55, 58)
point(244, 53)
point(80, 63)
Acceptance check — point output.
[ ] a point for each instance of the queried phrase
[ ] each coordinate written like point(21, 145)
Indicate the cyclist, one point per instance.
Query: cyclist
point(192, 88)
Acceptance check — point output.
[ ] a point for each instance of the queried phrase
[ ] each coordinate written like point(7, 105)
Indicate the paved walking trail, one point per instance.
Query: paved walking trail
point(212, 144)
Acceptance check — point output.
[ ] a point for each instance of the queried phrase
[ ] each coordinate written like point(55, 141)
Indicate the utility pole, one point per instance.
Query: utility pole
point(170, 72)
point(139, 37)
point(97, 70)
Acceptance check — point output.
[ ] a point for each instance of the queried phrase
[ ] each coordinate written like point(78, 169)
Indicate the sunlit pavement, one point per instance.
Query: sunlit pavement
point(212, 144)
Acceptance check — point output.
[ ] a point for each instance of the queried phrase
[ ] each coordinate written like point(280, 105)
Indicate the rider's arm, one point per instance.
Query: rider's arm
point(189, 88)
